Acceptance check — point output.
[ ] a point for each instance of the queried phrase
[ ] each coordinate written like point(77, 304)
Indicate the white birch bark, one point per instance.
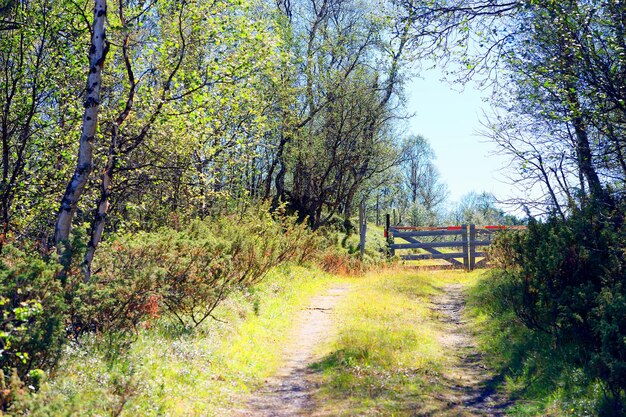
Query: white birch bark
point(84, 166)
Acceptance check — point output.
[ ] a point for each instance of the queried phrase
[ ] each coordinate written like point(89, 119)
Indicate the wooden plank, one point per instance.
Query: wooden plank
point(426, 245)
point(480, 242)
point(496, 228)
point(433, 251)
point(491, 232)
point(446, 256)
point(399, 234)
point(437, 267)
point(426, 228)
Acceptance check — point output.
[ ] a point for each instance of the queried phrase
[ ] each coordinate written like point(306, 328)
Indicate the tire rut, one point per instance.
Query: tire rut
point(289, 393)
point(469, 386)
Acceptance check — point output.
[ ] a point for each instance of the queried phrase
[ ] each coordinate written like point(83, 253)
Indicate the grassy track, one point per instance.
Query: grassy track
point(388, 360)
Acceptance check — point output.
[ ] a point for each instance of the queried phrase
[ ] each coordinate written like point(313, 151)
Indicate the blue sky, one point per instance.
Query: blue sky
point(450, 120)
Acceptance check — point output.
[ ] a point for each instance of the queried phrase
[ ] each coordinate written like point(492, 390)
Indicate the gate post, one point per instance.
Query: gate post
point(387, 224)
point(465, 247)
point(472, 247)
point(362, 227)
point(389, 235)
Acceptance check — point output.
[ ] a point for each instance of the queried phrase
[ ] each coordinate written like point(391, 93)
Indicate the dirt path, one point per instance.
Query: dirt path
point(289, 392)
point(469, 385)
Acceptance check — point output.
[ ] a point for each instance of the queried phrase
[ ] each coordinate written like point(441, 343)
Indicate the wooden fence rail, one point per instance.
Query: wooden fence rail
point(469, 241)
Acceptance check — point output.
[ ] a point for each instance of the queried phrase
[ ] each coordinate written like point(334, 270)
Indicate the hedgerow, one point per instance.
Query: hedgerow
point(564, 283)
point(181, 273)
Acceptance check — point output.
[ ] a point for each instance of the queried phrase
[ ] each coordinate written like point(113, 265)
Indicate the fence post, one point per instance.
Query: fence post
point(465, 247)
point(362, 227)
point(472, 247)
point(389, 235)
point(387, 224)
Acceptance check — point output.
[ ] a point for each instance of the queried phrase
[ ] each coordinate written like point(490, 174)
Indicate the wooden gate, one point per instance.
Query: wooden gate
point(462, 246)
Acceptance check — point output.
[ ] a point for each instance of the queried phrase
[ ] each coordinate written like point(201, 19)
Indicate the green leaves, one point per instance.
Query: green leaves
point(32, 310)
point(188, 272)
point(563, 279)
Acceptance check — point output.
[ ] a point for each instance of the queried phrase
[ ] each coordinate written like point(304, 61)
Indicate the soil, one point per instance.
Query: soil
point(469, 386)
point(289, 392)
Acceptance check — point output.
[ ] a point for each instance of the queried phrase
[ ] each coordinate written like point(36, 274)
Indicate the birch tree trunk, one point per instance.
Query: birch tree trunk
point(100, 215)
point(76, 186)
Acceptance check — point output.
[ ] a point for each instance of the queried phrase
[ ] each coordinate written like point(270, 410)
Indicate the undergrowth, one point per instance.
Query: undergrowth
point(537, 374)
point(553, 315)
point(175, 371)
point(147, 332)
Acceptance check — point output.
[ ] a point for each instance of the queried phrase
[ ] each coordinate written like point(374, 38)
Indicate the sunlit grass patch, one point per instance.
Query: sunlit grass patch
point(204, 372)
point(386, 359)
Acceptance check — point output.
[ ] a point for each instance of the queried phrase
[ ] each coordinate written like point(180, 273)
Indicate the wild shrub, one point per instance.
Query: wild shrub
point(229, 254)
point(33, 312)
point(185, 272)
point(338, 262)
point(189, 271)
point(123, 288)
point(565, 281)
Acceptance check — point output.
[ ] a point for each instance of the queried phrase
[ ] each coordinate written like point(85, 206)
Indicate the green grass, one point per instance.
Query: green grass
point(169, 372)
point(537, 375)
point(386, 359)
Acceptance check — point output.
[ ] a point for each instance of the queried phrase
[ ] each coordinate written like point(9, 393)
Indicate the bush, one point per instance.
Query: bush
point(188, 272)
point(337, 262)
point(33, 313)
point(185, 272)
point(565, 281)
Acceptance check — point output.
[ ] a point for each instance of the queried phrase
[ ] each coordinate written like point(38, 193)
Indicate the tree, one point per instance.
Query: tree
point(421, 177)
point(481, 209)
point(36, 113)
point(183, 95)
point(561, 63)
point(548, 73)
point(344, 104)
point(97, 54)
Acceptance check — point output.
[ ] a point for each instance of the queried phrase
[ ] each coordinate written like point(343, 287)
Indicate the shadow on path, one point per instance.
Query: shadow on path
point(469, 387)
